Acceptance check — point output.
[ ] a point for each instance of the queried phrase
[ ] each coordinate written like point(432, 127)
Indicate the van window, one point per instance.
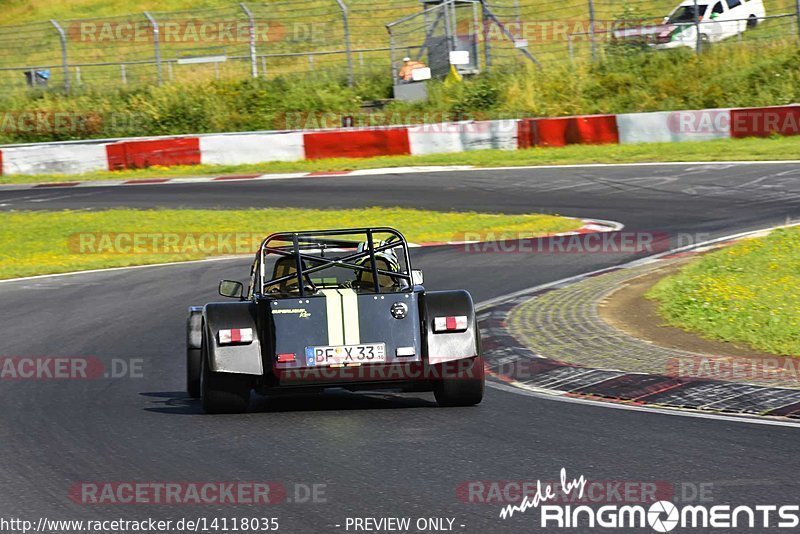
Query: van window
point(717, 9)
point(734, 3)
point(686, 14)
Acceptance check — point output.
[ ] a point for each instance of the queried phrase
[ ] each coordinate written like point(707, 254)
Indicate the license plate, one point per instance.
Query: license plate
point(346, 354)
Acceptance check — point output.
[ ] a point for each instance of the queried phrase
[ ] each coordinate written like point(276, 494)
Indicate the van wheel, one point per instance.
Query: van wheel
point(464, 388)
point(224, 392)
point(752, 22)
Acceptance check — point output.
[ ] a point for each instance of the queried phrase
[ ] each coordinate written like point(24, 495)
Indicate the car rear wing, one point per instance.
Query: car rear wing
point(309, 248)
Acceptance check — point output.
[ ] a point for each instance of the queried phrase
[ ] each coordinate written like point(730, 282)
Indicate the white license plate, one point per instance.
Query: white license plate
point(345, 354)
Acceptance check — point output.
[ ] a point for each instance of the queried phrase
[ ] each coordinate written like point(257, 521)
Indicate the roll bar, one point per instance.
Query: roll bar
point(299, 243)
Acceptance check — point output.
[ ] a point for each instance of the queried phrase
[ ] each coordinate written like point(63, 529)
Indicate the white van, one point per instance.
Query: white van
point(718, 20)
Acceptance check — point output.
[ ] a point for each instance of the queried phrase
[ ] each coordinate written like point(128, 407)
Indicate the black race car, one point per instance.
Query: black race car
point(333, 309)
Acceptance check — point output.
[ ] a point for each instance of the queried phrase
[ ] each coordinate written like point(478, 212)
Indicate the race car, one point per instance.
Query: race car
point(333, 309)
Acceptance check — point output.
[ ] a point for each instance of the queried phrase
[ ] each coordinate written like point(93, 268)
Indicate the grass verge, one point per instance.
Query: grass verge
point(749, 292)
point(774, 148)
point(54, 242)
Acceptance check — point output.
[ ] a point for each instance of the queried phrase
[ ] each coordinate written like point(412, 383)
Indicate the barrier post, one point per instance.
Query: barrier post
point(64, 60)
point(156, 45)
point(698, 42)
point(348, 50)
point(797, 17)
point(591, 30)
point(253, 55)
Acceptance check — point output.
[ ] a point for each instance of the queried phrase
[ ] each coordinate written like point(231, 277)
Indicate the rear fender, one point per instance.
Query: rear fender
point(446, 347)
point(241, 358)
point(194, 328)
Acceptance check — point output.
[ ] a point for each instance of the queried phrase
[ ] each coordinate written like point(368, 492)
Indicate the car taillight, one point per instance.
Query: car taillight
point(286, 358)
point(456, 323)
point(236, 335)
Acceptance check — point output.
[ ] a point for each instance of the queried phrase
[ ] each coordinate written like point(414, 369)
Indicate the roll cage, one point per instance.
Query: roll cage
point(300, 245)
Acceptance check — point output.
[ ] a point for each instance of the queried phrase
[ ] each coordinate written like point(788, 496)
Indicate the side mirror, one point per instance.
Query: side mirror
point(231, 289)
point(416, 277)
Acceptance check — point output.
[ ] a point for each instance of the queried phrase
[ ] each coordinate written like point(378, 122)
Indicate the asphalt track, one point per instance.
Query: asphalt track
point(377, 454)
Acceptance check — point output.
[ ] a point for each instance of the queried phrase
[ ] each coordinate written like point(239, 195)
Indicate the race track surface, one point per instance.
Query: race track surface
point(376, 454)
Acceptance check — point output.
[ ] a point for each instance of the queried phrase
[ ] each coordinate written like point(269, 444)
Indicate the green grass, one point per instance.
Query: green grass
point(54, 242)
point(775, 148)
point(749, 292)
point(753, 74)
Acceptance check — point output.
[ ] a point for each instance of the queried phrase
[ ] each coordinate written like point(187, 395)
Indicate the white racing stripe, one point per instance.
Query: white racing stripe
point(333, 304)
point(352, 334)
point(342, 311)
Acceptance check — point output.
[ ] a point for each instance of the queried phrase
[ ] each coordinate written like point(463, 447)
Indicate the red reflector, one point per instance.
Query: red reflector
point(450, 324)
point(286, 358)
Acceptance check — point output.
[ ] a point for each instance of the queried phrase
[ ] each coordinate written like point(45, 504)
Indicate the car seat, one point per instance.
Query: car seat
point(286, 266)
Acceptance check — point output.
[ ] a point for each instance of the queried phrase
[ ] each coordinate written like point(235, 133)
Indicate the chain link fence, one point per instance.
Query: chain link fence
point(351, 39)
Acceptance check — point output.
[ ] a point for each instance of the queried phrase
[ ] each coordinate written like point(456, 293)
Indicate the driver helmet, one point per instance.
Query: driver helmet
point(389, 257)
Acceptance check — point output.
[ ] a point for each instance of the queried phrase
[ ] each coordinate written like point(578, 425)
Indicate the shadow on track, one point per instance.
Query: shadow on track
point(179, 403)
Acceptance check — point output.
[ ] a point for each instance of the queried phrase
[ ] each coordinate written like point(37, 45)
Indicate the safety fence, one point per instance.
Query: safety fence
point(354, 39)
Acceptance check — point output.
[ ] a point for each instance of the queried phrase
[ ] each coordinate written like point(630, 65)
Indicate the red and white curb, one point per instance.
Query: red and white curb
point(507, 383)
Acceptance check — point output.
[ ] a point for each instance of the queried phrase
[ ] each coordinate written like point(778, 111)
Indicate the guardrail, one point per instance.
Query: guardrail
point(417, 139)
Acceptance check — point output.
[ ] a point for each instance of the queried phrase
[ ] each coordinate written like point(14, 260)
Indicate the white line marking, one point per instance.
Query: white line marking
point(555, 396)
point(48, 199)
point(401, 170)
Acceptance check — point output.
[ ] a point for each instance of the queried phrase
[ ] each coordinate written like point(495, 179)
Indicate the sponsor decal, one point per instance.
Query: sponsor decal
point(302, 313)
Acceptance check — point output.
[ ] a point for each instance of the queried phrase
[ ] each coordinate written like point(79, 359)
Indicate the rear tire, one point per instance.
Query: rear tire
point(465, 388)
point(223, 392)
point(194, 362)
